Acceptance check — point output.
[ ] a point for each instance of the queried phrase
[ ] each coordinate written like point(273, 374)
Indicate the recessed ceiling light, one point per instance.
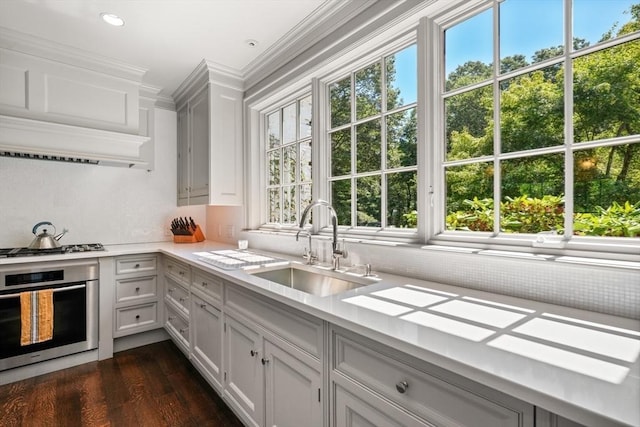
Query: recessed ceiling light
point(251, 43)
point(112, 19)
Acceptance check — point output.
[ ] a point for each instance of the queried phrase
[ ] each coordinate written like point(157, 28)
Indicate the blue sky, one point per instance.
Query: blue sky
point(536, 24)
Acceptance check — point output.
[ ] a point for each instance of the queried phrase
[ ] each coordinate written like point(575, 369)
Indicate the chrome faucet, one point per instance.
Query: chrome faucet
point(335, 252)
point(308, 254)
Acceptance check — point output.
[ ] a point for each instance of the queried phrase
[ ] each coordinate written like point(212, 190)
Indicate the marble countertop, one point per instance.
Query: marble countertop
point(581, 365)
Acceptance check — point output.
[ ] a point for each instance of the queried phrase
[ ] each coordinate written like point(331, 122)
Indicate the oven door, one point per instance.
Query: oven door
point(75, 306)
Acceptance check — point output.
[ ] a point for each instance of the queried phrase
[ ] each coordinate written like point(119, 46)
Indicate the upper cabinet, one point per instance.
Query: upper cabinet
point(209, 106)
point(59, 102)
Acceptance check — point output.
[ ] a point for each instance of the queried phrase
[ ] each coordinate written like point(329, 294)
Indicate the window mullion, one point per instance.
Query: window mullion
point(497, 175)
point(568, 120)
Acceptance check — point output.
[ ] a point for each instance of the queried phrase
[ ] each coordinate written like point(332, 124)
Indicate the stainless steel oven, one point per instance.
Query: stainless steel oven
point(75, 309)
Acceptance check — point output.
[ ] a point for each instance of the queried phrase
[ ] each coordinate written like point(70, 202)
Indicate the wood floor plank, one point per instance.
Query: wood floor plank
point(152, 386)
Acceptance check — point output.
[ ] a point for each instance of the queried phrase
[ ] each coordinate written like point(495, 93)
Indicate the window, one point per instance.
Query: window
point(288, 158)
point(372, 143)
point(548, 138)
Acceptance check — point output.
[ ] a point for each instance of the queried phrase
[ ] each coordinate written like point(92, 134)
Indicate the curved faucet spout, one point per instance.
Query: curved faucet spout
point(334, 220)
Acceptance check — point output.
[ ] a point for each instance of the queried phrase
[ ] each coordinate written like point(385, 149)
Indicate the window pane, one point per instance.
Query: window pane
point(289, 160)
point(340, 102)
point(341, 152)
point(368, 91)
point(305, 117)
point(368, 146)
point(274, 167)
point(533, 194)
point(532, 113)
point(469, 116)
point(401, 139)
point(606, 87)
point(341, 200)
point(402, 203)
point(289, 208)
point(402, 77)
point(289, 123)
point(305, 196)
point(607, 191)
point(305, 161)
point(469, 197)
point(274, 205)
point(273, 131)
point(595, 21)
point(368, 203)
point(530, 31)
point(469, 62)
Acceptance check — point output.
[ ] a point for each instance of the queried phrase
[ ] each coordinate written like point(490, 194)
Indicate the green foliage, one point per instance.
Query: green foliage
point(533, 215)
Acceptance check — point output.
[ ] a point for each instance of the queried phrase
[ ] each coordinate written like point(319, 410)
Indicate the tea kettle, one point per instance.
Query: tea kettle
point(45, 240)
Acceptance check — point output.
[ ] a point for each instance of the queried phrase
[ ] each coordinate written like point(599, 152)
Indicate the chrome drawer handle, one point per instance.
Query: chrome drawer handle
point(181, 273)
point(136, 266)
point(402, 387)
point(205, 284)
point(171, 318)
point(171, 290)
point(182, 331)
point(264, 361)
point(137, 289)
point(203, 305)
point(253, 353)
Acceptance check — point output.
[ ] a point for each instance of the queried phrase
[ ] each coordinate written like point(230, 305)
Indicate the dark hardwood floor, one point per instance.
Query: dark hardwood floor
point(154, 385)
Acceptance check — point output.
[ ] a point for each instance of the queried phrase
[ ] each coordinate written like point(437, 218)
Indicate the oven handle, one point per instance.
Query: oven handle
point(66, 288)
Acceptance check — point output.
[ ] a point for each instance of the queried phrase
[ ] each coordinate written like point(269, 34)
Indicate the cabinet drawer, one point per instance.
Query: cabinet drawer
point(177, 271)
point(178, 296)
point(299, 329)
point(137, 288)
point(207, 283)
point(178, 328)
point(137, 264)
point(426, 391)
point(136, 318)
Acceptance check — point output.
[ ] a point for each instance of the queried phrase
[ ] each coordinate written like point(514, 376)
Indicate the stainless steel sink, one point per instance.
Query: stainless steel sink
point(312, 280)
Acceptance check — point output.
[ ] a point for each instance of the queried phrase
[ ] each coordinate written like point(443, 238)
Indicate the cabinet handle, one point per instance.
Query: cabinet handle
point(137, 289)
point(264, 361)
point(402, 387)
point(136, 266)
point(182, 331)
point(205, 284)
point(253, 353)
point(171, 290)
point(171, 318)
point(181, 273)
point(137, 317)
point(203, 305)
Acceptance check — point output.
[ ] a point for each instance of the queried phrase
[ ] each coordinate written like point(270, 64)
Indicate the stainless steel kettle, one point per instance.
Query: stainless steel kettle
point(45, 240)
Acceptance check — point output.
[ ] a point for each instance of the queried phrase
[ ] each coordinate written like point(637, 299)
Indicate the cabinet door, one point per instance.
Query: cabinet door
point(292, 389)
point(244, 385)
point(183, 156)
point(363, 409)
point(199, 126)
point(206, 340)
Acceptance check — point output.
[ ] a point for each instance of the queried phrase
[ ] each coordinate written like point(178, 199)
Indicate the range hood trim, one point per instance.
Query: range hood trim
point(39, 138)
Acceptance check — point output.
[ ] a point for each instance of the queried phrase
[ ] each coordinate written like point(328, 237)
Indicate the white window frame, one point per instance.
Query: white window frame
point(433, 30)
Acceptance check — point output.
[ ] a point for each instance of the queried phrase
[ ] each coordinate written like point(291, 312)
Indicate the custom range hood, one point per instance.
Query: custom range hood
point(34, 139)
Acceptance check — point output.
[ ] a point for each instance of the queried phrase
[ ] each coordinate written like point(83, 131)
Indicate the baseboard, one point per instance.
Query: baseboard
point(138, 340)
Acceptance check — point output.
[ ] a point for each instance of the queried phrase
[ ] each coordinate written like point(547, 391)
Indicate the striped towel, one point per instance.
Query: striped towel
point(36, 316)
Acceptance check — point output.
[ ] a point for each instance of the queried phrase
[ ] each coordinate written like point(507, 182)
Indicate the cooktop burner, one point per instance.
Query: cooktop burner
point(66, 249)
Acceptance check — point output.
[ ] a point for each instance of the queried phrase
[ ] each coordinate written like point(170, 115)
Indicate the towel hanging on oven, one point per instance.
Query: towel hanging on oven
point(36, 316)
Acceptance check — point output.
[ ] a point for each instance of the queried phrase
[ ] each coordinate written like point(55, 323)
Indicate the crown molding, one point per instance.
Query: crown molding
point(208, 72)
point(31, 45)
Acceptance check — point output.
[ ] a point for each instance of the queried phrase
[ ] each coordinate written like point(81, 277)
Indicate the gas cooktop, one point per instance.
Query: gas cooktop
point(66, 249)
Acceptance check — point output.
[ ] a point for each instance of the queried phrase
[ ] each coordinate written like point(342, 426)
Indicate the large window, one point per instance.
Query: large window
point(542, 119)
point(372, 143)
point(288, 157)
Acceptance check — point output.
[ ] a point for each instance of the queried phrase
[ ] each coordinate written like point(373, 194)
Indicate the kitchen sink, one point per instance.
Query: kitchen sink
point(313, 280)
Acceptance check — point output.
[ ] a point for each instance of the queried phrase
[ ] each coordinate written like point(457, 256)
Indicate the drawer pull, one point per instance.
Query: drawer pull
point(137, 289)
point(253, 353)
point(137, 317)
point(402, 387)
point(171, 318)
point(136, 266)
point(205, 284)
point(181, 273)
point(182, 299)
point(171, 290)
point(203, 305)
point(182, 331)
point(264, 361)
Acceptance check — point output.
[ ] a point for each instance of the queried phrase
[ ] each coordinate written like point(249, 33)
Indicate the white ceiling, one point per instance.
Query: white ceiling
point(170, 37)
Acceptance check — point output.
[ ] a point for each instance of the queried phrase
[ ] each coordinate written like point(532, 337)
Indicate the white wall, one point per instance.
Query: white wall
point(103, 204)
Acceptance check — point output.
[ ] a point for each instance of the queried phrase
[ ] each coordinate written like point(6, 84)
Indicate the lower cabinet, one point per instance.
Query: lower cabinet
point(206, 339)
point(177, 326)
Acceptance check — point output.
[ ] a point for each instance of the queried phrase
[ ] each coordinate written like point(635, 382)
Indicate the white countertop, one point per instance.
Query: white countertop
point(582, 365)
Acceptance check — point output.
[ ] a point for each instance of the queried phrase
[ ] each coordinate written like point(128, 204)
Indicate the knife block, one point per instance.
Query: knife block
point(197, 236)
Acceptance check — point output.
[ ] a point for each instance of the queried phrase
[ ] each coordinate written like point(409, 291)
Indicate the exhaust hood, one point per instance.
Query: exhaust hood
point(35, 139)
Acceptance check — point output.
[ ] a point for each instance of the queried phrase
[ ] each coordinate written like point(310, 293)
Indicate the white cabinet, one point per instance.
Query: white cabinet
point(209, 108)
point(206, 339)
point(429, 394)
point(136, 304)
point(177, 300)
point(244, 385)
